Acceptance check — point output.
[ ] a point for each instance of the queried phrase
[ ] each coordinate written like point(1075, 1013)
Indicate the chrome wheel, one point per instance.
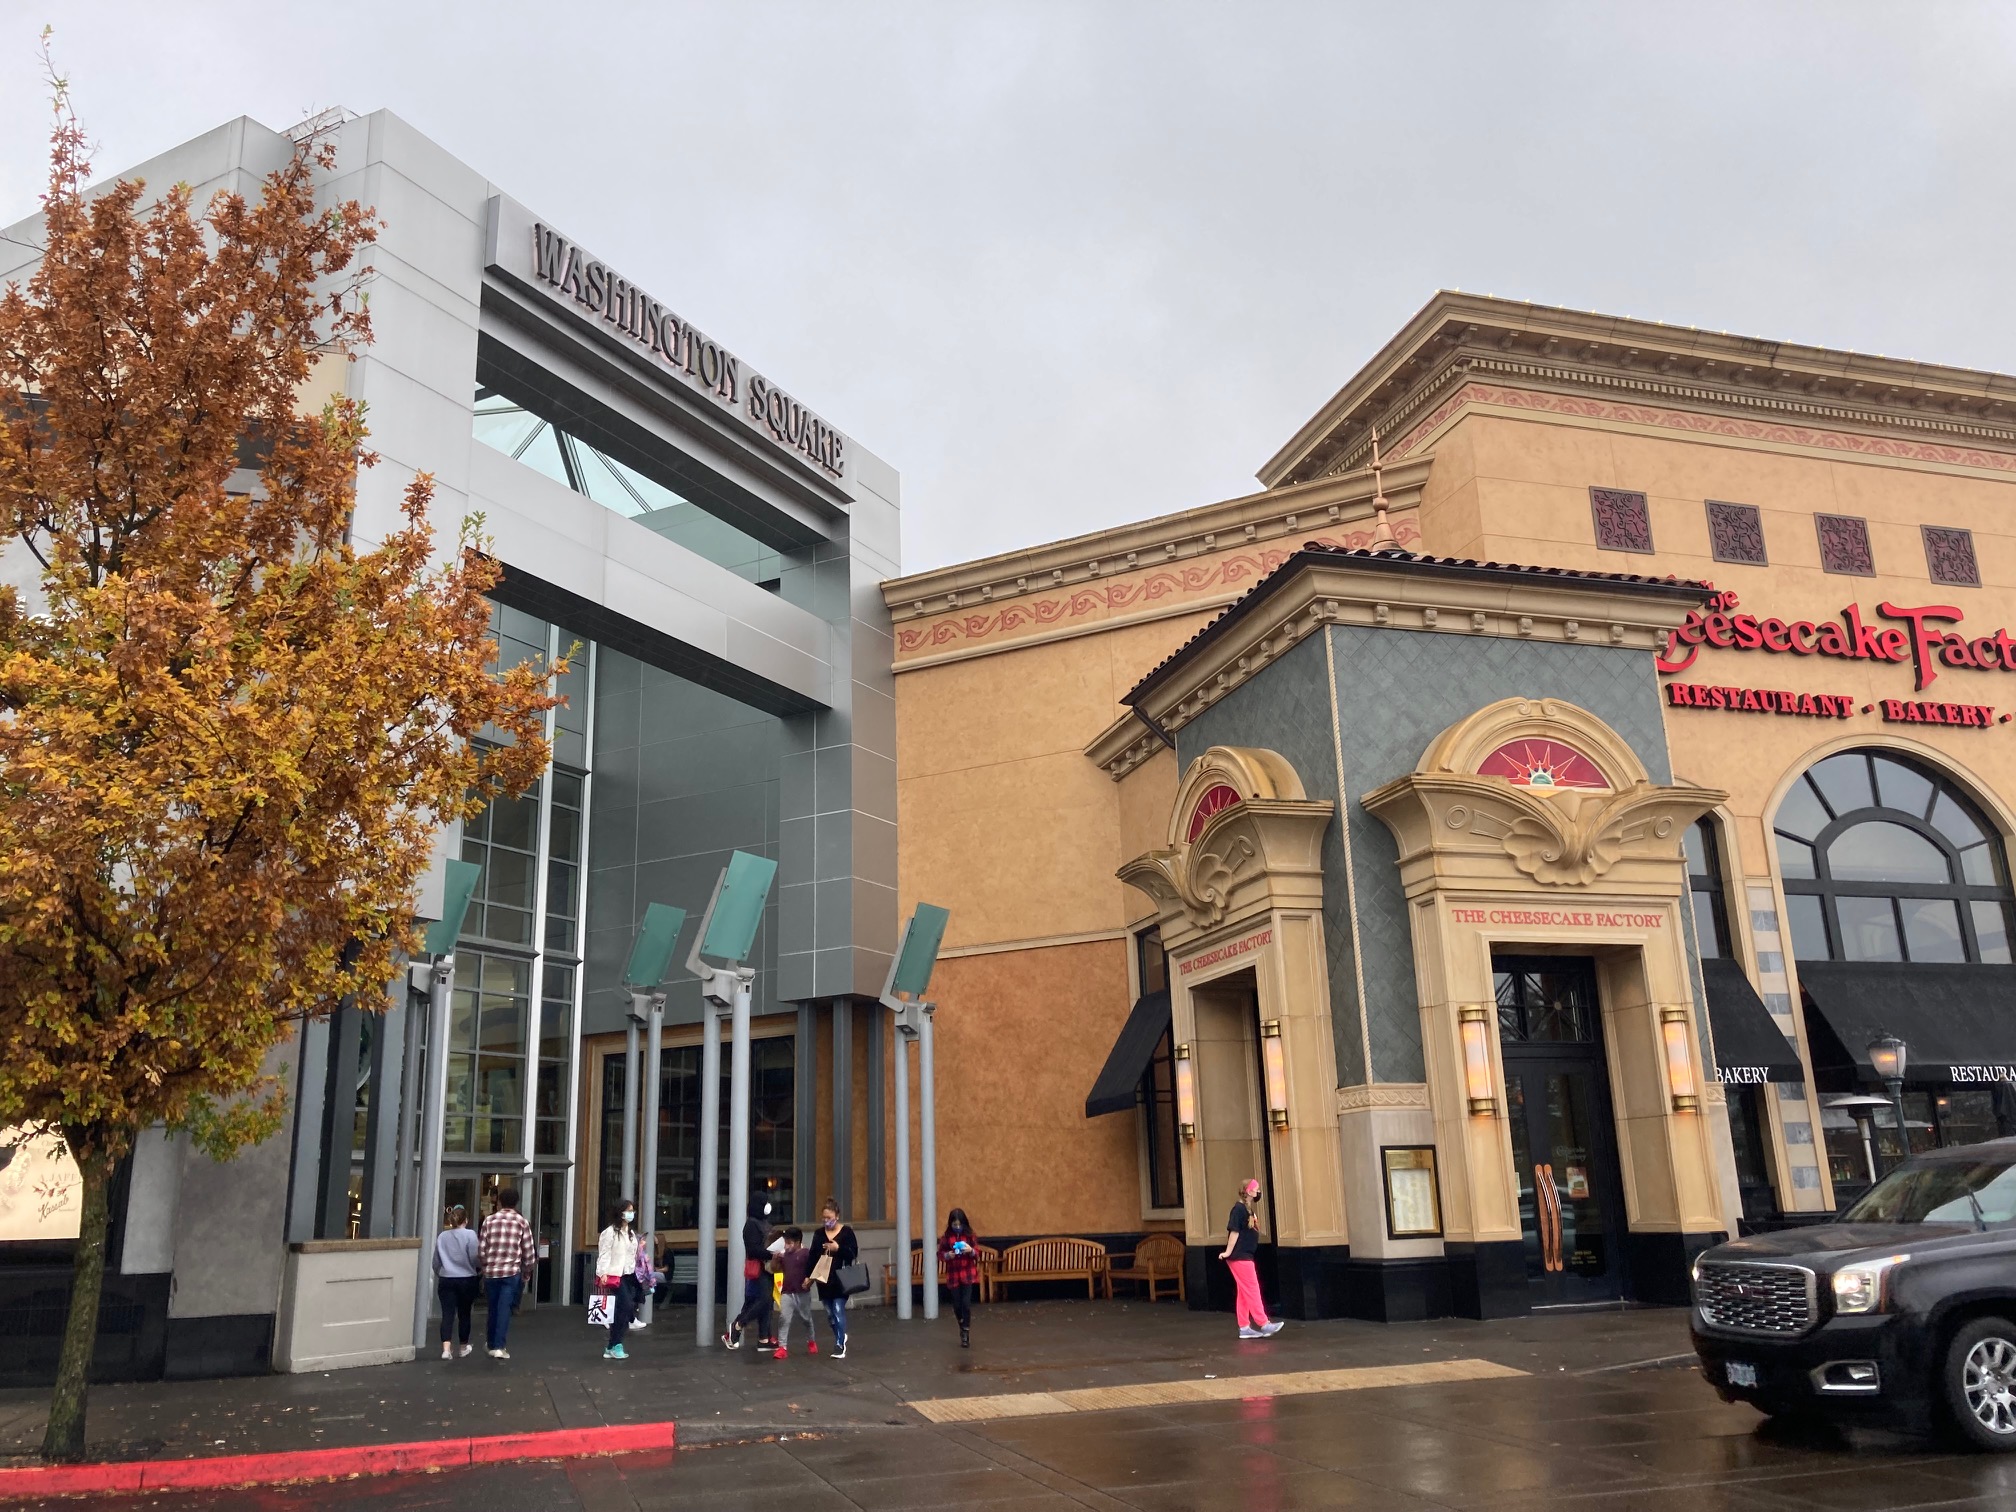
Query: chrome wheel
point(1988, 1379)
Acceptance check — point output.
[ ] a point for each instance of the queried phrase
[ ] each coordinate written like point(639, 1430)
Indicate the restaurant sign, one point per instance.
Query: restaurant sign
point(1923, 635)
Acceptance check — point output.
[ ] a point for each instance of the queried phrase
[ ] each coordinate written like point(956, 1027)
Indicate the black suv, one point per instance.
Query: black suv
point(1903, 1313)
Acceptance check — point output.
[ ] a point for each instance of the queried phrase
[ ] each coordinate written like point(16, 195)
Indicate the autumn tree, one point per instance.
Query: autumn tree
point(228, 732)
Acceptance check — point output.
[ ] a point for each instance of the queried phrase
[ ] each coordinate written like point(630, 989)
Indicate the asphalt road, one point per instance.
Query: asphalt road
point(1646, 1438)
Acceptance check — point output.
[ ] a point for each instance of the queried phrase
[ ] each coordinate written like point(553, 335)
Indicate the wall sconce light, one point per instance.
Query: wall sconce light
point(1679, 1059)
point(1274, 1059)
point(1186, 1093)
point(1475, 1022)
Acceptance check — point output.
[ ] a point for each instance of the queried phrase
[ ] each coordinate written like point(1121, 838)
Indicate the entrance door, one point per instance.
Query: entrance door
point(1557, 1089)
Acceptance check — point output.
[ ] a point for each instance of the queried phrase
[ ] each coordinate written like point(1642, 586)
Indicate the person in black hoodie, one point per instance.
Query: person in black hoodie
point(836, 1241)
point(755, 1279)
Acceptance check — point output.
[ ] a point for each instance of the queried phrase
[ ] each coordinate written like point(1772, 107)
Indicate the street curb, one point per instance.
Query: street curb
point(229, 1470)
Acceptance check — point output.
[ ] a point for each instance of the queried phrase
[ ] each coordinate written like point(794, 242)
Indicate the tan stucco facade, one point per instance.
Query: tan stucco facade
point(1028, 790)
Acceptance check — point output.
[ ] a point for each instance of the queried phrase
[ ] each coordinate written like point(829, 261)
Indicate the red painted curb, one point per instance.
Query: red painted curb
point(331, 1464)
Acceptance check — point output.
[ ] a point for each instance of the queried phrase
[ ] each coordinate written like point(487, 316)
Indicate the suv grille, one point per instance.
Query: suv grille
point(1755, 1298)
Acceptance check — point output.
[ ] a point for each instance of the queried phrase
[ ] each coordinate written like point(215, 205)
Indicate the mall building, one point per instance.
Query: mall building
point(709, 547)
point(1503, 834)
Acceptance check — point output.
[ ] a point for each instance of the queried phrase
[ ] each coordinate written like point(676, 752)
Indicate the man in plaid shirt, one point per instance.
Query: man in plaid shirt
point(505, 1246)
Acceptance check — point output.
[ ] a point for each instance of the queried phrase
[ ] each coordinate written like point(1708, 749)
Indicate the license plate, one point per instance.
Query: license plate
point(1740, 1374)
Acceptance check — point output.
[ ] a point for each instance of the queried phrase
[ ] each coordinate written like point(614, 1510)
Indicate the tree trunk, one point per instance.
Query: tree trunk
point(64, 1439)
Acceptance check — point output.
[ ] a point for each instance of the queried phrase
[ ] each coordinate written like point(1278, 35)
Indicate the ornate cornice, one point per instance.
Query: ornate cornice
point(1462, 337)
point(1383, 1095)
point(1563, 608)
point(1333, 508)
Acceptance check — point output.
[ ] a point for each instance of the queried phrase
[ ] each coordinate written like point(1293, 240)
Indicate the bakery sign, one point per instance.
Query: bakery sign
point(1926, 636)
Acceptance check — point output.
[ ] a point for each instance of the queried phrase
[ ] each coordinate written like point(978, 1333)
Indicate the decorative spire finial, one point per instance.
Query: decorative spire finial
point(1383, 538)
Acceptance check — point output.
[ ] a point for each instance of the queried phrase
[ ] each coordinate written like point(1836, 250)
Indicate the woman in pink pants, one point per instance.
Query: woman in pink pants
point(1242, 1243)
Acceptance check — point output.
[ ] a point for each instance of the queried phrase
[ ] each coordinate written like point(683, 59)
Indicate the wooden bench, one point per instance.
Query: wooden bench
point(990, 1257)
point(1157, 1262)
point(1053, 1260)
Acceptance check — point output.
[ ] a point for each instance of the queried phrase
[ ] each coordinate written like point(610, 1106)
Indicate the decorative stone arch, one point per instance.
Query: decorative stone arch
point(1578, 851)
point(1238, 889)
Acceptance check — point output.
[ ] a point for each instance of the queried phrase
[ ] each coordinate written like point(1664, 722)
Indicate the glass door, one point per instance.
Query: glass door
point(1571, 1201)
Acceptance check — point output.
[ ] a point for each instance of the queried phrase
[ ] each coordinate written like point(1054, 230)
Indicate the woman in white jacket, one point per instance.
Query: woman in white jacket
point(622, 1265)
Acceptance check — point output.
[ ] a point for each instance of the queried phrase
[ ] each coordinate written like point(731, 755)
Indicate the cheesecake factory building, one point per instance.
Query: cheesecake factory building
point(1504, 834)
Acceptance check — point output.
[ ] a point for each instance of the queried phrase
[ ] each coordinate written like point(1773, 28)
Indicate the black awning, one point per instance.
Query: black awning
point(1128, 1061)
point(1748, 1044)
point(1958, 1023)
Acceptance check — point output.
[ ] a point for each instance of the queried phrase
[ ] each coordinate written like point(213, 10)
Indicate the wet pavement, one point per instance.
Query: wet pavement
point(1589, 1426)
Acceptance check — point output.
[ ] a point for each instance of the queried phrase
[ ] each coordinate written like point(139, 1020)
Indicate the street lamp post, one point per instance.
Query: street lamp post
point(649, 957)
point(727, 934)
point(1888, 1058)
point(903, 996)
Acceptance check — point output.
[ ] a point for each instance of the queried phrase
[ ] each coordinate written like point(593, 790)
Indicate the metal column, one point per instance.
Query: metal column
point(706, 1195)
point(842, 1189)
point(407, 1188)
point(902, 1256)
point(385, 1117)
point(647, 1202)
point(927, 1154)
point(738, 1118)
point(629, 1191)
point(440, 984)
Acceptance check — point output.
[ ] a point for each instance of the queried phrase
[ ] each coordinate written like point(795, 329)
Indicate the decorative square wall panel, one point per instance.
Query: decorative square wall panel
point(1623, 519)
point(1949, 556)
point(1844, 545)
point(1736, 533)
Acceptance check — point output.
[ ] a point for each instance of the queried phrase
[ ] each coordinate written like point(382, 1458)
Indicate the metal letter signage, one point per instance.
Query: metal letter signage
point(539, 260)
point(1927, 644)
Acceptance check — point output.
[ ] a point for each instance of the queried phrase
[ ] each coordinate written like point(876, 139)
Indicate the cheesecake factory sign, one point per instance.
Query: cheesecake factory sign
point(535, 257)
point(1924, 635)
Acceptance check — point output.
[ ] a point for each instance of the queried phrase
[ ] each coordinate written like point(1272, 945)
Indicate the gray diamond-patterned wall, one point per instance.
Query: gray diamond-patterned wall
point(1396, 691)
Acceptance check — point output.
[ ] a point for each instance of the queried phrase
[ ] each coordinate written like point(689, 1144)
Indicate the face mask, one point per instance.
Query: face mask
point(957, 1227)
point(832, 1223)
point(628, 1214)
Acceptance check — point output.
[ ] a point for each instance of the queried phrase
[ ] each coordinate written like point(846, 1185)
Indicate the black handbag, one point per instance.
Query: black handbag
point(852, 1279)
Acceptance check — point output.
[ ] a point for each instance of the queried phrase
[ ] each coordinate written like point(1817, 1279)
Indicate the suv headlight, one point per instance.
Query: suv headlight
point(1860, 1288)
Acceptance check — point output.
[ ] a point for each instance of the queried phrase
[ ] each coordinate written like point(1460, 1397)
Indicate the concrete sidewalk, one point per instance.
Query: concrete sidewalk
point(557, 1378)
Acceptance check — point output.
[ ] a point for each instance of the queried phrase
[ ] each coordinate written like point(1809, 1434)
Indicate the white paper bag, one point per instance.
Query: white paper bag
point(601, 1309)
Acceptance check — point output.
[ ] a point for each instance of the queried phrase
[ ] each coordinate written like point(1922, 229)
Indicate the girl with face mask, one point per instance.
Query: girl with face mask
point(959, 1257)
point(623, 1265)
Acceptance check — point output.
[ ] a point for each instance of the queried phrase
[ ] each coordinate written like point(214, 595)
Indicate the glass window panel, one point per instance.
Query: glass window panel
point(1977, 865)
point(1954, 822)
point(560, 934)
point(503, 974)
point(567, 789)
point(498, 1136)
point(1710, 929)
point(1795, 859)
point(1805, 918)
point(552, 1090)
point(1880, 851)
point(1801, 813)
point(504, 425)
point(500, 1084)
point(564, 840)
point(550, 1137)
point(561, 882)
point(1844, 782)
point(512, 926)
point(457, 1132)
point(503, 1024)
point(1868, 929)
point(1932, 929)
point(515, 821)
point(1966, 1115)
point(462, 1016)
point(606, 484)
point(1900, 787)
point(461, 1083)
point(1697, 850)
point(1991, 932)
point(507, 879)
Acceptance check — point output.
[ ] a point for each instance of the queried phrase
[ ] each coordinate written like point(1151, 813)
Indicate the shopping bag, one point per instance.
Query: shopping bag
point(601, 1309)
point(853, 1279)
point(823, 1271)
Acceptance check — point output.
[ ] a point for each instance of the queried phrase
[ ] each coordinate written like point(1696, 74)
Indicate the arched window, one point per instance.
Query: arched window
point(1885, 860)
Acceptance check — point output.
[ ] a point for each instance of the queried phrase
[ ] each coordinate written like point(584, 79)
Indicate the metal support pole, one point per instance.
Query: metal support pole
point(630, 1115)
point(382, 1121)
point(902, 1256)
point(738, 1118)
point(647, 1201)
point(706, 1193)
point(407, 1186)
point(433, 1133)
point(927, 1154)
point(1895, 1087)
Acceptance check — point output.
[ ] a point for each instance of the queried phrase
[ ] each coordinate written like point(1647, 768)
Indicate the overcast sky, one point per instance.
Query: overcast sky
point(1068, 265)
